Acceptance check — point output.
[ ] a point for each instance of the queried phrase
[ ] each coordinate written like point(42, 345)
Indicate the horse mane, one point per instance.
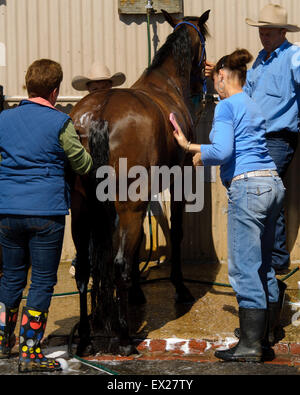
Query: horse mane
point(178, 45)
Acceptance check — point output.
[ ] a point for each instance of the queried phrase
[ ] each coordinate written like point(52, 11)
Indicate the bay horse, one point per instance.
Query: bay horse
point(133, 124)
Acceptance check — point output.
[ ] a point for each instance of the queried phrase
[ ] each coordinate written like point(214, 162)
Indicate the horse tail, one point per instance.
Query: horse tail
point(102, 229)
point(99, 143)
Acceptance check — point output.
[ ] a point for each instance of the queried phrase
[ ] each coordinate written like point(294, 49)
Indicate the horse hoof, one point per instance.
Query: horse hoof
point(136, 296)
point(184, 296)
point(125, 351)
point(85, 350)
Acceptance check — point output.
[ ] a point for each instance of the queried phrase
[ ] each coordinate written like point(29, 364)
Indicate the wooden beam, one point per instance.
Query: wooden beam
point(139, 6)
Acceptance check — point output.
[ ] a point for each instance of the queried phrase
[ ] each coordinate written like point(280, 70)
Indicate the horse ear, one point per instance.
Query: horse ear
point(203, 18)
point(173, 22)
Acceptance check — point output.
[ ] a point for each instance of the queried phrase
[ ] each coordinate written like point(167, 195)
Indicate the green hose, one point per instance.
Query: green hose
point(290, 274)
point(167, 279)
point(149, 39)
point(149, 207)
point(84, 361)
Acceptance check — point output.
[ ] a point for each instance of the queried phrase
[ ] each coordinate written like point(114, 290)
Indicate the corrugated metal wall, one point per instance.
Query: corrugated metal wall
point(76, 32)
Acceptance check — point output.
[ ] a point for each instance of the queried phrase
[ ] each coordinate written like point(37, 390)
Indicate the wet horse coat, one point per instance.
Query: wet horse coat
point(133, 124)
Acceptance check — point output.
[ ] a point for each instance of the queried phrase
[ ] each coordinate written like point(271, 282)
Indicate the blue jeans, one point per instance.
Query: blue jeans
point(282, 147)
point(253, 207)
point(25, 240)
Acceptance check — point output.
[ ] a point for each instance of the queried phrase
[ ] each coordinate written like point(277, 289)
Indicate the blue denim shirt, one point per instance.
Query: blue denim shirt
point(237, 138)
point(274, 85)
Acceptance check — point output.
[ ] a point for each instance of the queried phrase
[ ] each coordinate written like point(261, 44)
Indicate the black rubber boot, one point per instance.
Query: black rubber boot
point(8, 320)
point(274, 313)
point(252, 331)
point(31, 357)
point(273, 334)
point(275, 310)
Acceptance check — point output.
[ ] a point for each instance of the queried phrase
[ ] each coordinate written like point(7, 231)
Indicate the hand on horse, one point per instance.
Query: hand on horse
point(209, 67)
point(178, 134)
point(197, 159)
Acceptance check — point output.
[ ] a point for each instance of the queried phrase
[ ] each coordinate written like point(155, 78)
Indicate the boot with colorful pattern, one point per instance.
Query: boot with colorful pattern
point(32, 329)
point(8, 320)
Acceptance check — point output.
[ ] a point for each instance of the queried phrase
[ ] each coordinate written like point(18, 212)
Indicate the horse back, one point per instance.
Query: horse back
point(139, 126)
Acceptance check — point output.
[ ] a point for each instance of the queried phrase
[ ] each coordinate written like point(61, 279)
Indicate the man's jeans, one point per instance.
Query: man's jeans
point(281, 146)
point(253, 207)
point(25, 240)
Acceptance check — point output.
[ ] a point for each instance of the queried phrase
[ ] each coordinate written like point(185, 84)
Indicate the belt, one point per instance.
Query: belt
point(255, 173)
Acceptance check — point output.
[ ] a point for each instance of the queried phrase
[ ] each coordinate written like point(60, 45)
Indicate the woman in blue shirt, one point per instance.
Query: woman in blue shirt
point(255, 196)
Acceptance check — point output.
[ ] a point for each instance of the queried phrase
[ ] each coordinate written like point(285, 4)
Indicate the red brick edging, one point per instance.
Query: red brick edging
point(194, 346)
point(197, 350)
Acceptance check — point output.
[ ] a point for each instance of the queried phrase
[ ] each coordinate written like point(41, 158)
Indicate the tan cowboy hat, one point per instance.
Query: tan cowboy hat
point(273, 15)
point(97, 72)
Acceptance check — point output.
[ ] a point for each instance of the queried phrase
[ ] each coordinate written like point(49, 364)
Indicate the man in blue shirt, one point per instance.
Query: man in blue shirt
point(273, 82)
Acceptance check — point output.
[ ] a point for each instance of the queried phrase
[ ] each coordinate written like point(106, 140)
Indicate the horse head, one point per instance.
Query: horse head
point(198, 32)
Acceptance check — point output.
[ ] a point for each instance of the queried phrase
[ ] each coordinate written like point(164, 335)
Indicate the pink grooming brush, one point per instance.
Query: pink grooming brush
point(173, 121)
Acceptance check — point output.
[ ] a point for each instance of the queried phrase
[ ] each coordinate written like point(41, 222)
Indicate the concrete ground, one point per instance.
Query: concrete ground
point(165, 331)
point(213, 316)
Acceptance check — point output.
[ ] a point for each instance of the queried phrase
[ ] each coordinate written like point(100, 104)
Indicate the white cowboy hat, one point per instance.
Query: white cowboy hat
point(273, 15)
point(97, 72)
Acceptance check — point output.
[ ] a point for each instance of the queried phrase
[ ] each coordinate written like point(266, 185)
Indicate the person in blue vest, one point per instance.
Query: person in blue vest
point(36, 143)
point(255, 197)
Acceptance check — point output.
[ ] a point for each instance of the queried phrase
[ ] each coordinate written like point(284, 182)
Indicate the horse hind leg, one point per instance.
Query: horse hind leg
point(183, 295)
point(80, 234)
point(135, 293)
point(129, 240)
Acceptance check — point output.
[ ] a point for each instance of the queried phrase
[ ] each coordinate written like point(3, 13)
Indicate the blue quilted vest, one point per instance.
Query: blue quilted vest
point(32, 176)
